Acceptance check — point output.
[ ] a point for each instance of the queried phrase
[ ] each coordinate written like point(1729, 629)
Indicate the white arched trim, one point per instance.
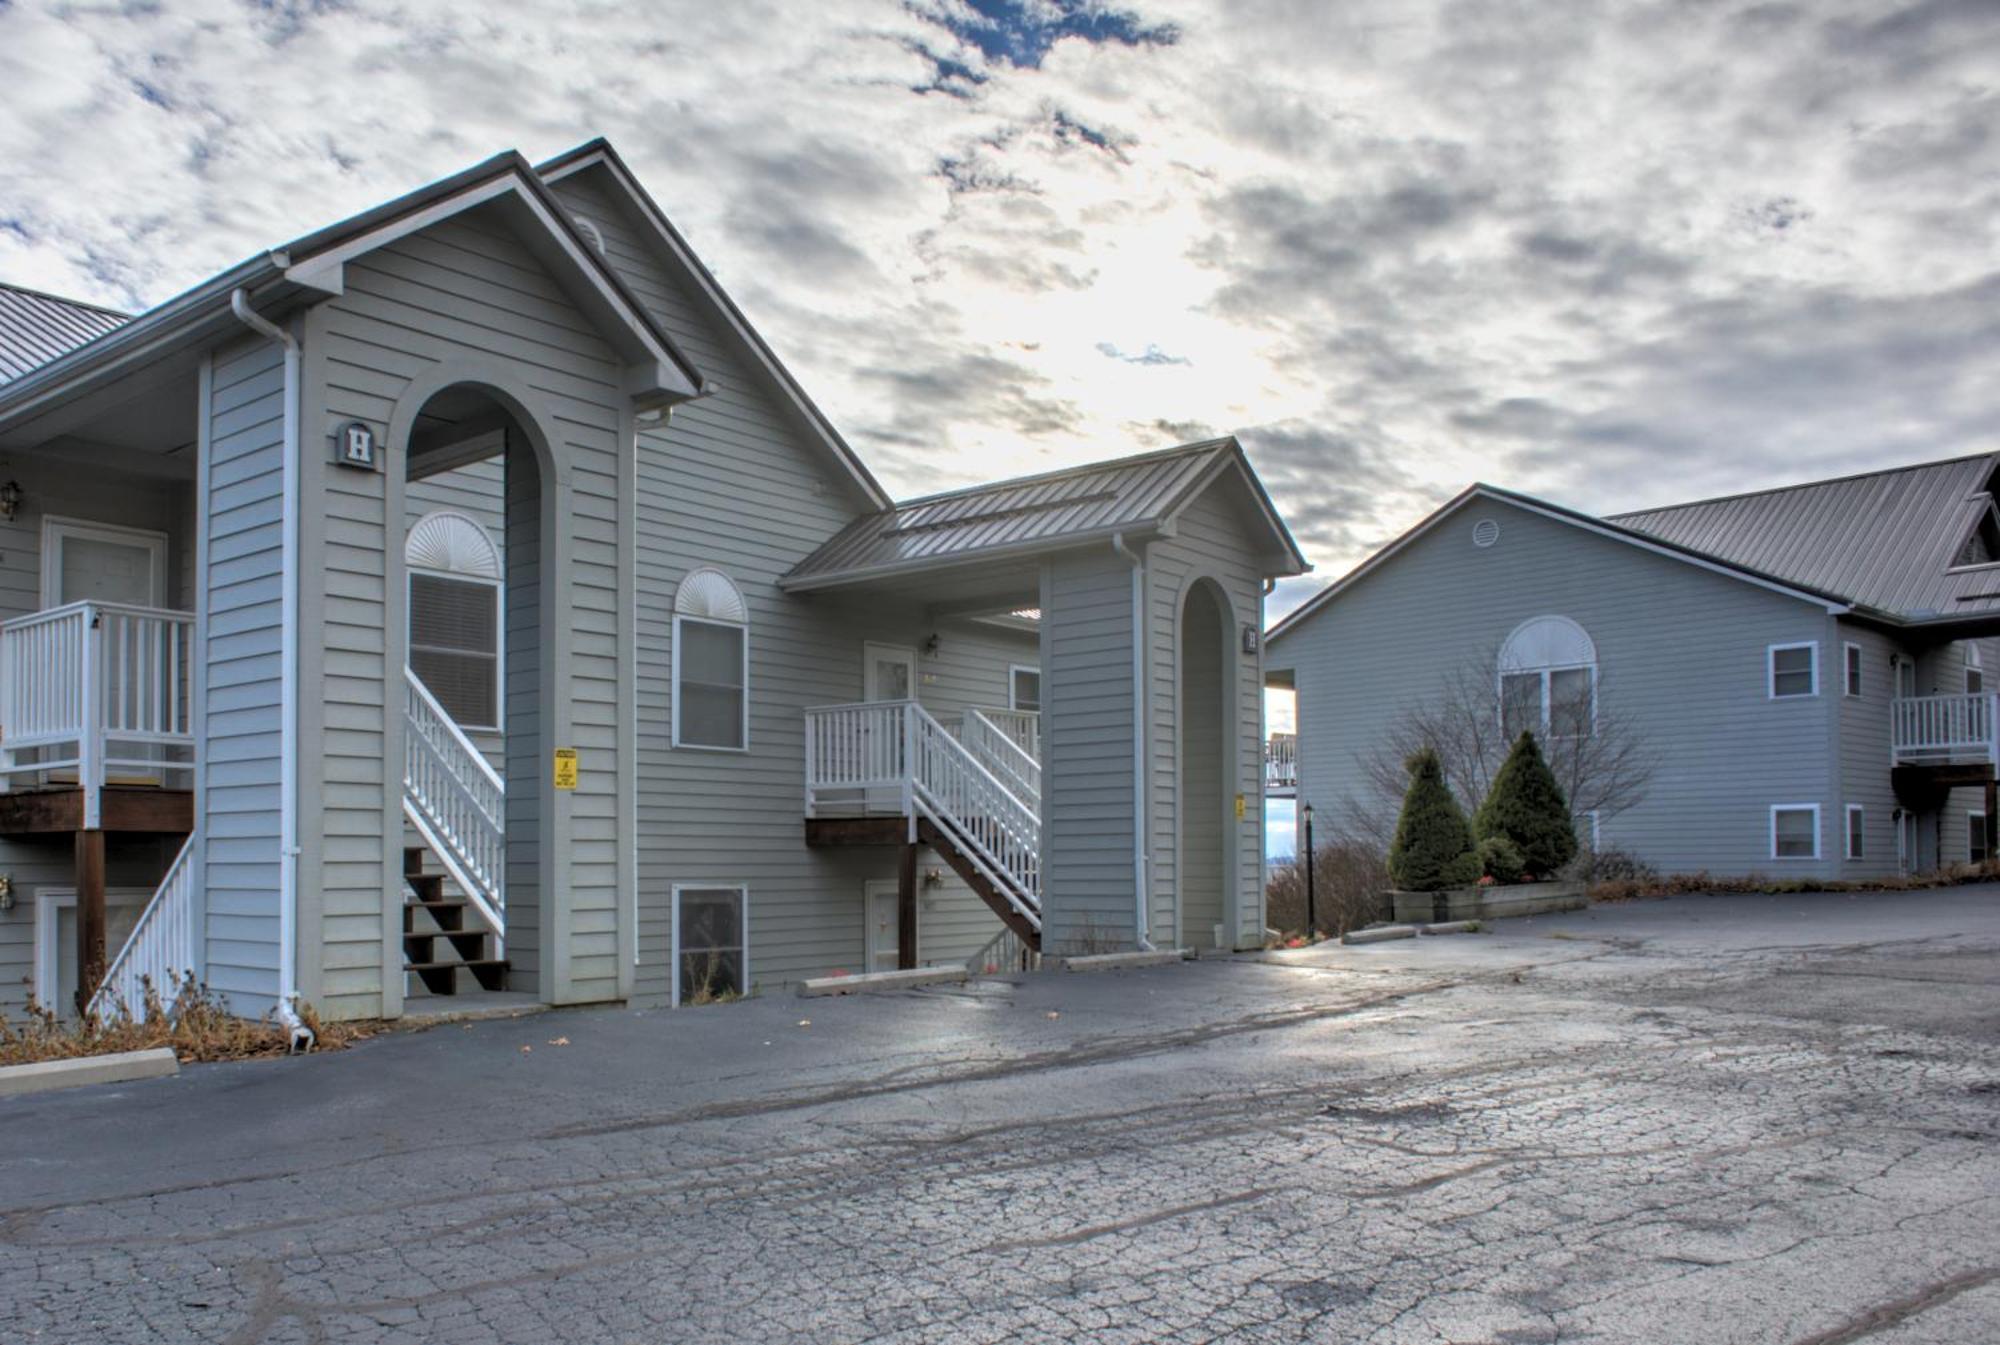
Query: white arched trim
point(710, 594)
point(1547, 642)
point(448, 542)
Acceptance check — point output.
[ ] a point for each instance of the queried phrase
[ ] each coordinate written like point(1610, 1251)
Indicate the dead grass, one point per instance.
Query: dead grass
point(709, 987)
point(198, 1029)
point(1681, 884)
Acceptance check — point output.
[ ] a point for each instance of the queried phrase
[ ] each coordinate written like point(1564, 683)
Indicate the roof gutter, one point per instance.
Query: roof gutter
point(1141, 914)
point(288, 678)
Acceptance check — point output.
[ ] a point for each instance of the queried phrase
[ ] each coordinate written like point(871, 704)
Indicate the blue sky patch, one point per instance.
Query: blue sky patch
point(1020, 32)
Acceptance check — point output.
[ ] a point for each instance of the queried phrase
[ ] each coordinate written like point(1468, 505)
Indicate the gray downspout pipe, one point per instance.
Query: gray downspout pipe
point(1141, 914)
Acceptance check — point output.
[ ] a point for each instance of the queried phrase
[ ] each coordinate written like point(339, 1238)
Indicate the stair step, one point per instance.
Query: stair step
point(470, 964)
point(437, 903)
point(479, 934)
point(441, 978)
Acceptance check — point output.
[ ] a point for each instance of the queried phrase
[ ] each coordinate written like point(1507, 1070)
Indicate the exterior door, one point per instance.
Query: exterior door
point(102, 563)
point(889, 673)
point(882, 942)
point(55, 940)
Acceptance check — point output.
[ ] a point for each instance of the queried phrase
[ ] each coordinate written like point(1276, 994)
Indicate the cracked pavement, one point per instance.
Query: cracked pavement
point(1753, 1119)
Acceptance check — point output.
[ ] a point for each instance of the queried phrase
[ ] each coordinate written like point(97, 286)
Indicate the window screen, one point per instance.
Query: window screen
point(1854, 670)
point(1570, 709)
point(1794, 834)
point(709, 945)
point(1857, 834)
point(711, 683)
point(455, 645)
point(1520, 704)
point(1026, 689)
point(1792, 671)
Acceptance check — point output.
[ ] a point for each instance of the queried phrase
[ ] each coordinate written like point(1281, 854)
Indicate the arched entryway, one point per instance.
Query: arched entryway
point(477, 464)
point(1206, 858)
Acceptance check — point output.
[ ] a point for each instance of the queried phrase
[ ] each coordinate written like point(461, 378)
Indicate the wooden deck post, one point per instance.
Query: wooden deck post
point(906, 909)
point(90, 953)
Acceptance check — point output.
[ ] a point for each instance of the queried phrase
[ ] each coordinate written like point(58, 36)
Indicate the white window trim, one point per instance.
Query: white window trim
point(1013, 668)
point(49, 903)
point(1596, 829)
point(55, 528)
point(1975, 825)
point(1974, 664)
point(871, 945)
point(1812, 808)
point(1771, 670)
point(499, 587)
point(742, 889)
point(1855, 810)
point(1548, 693)
point(1853, 669)
point(874, 651)
point(744, 627)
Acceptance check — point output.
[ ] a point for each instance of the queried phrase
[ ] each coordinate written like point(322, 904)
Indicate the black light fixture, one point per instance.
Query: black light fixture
point(10, 500)
point(1312, 915)
point(931, 645)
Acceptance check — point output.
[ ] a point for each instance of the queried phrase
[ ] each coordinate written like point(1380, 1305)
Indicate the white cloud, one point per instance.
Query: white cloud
point(1619, 255)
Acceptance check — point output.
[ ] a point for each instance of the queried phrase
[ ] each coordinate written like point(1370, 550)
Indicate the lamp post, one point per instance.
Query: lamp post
point(1312, 914)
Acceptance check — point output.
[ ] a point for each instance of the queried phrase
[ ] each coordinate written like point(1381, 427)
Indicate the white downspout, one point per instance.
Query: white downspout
point(288, 679)
point(1141, 914)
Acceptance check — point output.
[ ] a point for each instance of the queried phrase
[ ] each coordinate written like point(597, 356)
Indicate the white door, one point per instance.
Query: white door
point(883, 940)
point(890, 673)
point(55, 940)
point(102, 563)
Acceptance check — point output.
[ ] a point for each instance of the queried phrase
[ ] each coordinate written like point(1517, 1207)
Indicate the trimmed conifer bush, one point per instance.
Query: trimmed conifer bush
point(1500, 860)
point(1527, 806)
point(1433, 845)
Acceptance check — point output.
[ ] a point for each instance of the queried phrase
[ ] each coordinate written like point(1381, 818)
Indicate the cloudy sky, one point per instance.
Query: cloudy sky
point(1614, 253)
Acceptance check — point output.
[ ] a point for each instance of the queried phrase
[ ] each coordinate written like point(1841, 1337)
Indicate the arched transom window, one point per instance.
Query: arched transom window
point(1548, 679)
point(711, 697)
point(455, 593)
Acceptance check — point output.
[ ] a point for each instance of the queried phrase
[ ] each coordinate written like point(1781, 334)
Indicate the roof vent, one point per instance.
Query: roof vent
point(1485, 532)
point(591, 233)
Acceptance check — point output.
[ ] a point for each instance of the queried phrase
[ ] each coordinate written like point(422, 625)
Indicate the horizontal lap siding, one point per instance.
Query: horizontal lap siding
point(242, 674)
point(465, 289)
point(1211, 541)
point(735, 481)
point(1681, 655)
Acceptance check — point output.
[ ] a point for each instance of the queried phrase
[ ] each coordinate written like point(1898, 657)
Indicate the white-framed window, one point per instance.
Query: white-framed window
point(1975, 837)
point(456, 587)
point(1975, 670)
point(711, 941)
point(1794, 669)
point(1857, 831)
point(711, 663)
point(1851, 653)
point(1024, 687)
point(1904, 671)
point(1590, 830)
point(82, 560)
point(1548, 679)
point(1795, 831)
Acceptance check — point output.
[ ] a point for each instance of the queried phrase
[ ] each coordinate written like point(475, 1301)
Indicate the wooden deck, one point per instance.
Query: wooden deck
point(58, 809)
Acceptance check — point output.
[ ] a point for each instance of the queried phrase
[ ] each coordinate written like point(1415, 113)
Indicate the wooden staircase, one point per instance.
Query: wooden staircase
point(438, 943)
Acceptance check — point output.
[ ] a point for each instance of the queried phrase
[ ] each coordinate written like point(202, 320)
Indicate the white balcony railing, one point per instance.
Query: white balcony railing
point(97, 692)
point(1942, 730)
point(1281, 761)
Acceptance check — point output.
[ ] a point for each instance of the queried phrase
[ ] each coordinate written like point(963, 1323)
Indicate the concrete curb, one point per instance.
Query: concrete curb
point(45, 1076)
point(884, 980)
point(1381, 935)
point(1114, 961)
point(1452, 927)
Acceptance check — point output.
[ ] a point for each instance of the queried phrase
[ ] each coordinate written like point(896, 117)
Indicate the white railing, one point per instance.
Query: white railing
point(160, 950)
point(1001, 753)
point(1022, 727)
point(892, 757)
point(1954, 728)
point(1281, 761)
point(456, 801)
point(1004, 954)
point(99, 692)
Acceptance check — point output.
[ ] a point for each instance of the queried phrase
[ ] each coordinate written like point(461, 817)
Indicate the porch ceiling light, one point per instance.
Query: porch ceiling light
point(931, 645)
point(10, 499)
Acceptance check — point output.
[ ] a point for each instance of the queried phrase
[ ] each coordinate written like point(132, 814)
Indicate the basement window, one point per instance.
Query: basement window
point(1795, 831)
point(711, 943)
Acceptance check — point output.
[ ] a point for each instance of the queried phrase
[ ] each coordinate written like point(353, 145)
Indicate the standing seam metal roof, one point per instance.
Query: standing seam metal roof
point(36, 328)
point(1885, 540)
point(1095, 499)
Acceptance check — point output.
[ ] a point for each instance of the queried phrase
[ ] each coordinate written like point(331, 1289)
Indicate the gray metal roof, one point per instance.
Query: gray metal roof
point(35, 328)
point(1134, 495)
point(1885, 540)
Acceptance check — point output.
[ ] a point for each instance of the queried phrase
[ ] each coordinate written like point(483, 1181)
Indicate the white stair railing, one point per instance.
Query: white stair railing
point(994, 829)
point(159, 951)
point(1003, 954)
point(456, 801)
point(1001, 753)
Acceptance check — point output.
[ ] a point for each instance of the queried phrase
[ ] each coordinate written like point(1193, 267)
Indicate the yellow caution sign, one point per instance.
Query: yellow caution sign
point(1239, 807)
point(566, 771)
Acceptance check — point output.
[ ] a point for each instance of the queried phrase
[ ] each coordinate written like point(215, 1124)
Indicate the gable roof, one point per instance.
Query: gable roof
point(600, 153)
point(1883, 539)
point(1137, 497)
point(1561, 514)
point(36, 328)
point(311, 265)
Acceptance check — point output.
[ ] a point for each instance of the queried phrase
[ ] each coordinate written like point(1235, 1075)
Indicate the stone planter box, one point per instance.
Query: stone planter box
point(1488, 903)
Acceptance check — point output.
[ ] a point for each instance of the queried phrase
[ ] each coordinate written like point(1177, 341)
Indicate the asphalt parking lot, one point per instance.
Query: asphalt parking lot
point(1706, 1119)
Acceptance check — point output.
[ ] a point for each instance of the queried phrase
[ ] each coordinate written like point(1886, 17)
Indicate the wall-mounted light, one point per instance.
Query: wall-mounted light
point(6, 891)
point(1250, 639)
point(933, 877)
point(10, 500)
point(931, 645)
